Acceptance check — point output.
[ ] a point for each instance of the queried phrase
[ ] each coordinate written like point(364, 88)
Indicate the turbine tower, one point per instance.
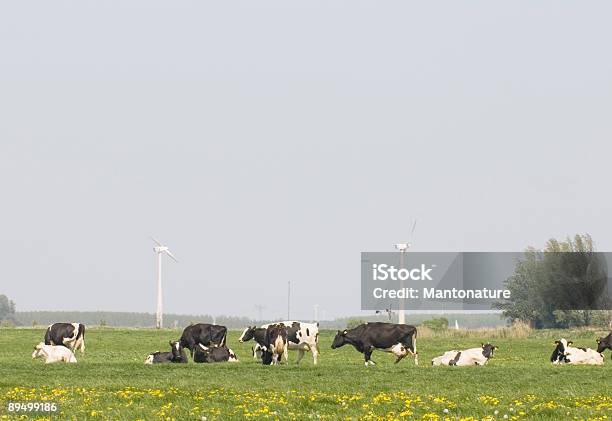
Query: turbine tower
point(402, 248)
point(160, 249)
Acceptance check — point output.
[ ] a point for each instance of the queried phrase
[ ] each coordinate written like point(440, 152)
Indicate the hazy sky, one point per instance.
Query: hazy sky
point(267, 141)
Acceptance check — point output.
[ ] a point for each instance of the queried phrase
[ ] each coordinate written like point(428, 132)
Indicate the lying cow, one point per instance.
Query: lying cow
point(275, 342)
point(566, 354)
point(70, 335)
point(214, 354)
point(604, 343)
point(53, 353)
point(472, 356)
point(389, 337)
point(202, 333)
point(176, 355)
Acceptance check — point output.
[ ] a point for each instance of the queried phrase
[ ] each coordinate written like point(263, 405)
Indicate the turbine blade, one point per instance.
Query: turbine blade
point(171, 255)
point(158, 243)
point(413, 227)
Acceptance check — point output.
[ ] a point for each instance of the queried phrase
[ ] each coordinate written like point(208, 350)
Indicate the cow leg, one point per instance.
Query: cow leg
point(315, 354)
point(286, 354)
point(299, 356)
point(368, 354)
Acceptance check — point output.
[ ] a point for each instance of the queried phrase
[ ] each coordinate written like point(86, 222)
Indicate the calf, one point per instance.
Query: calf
point(472, 356)
point(70, 335)
point(176, 355)
point(53, 353)
point(566, 354)
point(215, 354)
point(202, 333)
point(389, 337)
point(275, 343)
point(604, 343)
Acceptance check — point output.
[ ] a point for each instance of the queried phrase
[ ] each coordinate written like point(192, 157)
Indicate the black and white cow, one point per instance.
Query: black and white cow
point(301, 336)
point(214, 354)
point(566, 354)
point(176, 355)
point(604, 343)
point(472, 356)
point(70, 335)
point(275, 343)
point(396, 338)
point(258, 334)
point(203, 333)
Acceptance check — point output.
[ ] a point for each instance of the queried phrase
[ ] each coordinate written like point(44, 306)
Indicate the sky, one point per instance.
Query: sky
point(273, 141)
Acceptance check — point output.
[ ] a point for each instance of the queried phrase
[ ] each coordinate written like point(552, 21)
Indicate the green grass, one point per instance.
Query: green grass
point(111, 382)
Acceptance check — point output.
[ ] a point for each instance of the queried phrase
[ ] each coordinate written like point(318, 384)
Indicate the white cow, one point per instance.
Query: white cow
point(472, 356)
point(301, 336)
point(566, 354)
point(53, 353)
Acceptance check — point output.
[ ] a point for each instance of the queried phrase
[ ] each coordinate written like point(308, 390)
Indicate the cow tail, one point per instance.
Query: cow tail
point(317, 341)
point(81, 337)
point(48, 336)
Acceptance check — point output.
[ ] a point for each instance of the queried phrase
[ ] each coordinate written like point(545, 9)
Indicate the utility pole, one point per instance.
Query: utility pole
point(316, 313)
point(402, 247)
point(288, 300)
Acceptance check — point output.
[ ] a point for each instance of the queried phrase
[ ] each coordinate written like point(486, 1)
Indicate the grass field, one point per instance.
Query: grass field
point(111, 382)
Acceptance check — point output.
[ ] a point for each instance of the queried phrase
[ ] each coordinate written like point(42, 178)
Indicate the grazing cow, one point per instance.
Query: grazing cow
point(604, 343)
point(176, 355)
point(70, 335)
point(202, 333)
point(302, 336)
point(215, 354)
point(566, 354)
point(53, 353)
point(389, 337)
point(257, 334)
point(275, 343)
point(472, 356)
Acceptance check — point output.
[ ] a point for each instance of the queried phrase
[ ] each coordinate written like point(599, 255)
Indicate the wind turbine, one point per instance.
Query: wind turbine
point(403, 248)
point(160, 249)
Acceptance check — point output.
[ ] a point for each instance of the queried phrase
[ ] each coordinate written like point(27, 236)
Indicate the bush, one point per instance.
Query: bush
point(354, 322)
point(440, 323)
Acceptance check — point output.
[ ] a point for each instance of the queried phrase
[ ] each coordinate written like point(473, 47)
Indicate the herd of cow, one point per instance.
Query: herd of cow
point(207, 344)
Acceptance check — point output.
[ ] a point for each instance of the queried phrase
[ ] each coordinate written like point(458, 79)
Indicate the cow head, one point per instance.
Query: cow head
point(559, 355)
point(487, 350)
point(38, 350)
point(247, 334)
point(340, 339)
point(176, 348)
point(604, 343)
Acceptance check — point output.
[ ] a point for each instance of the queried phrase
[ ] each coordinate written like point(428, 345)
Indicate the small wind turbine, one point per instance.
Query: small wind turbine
point(403, 248)
point(160, 249)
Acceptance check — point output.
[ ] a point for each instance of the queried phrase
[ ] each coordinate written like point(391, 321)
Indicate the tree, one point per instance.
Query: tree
point(559, 287)
point(7, 308)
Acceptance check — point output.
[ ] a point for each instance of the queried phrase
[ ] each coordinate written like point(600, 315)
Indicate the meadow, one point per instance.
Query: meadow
point(111, 382)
